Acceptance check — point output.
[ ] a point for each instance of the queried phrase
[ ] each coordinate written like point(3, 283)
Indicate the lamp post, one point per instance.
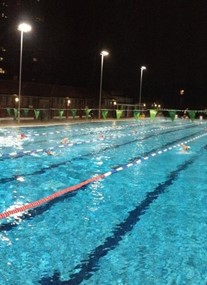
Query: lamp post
point(140, 87)
point(103, 53)
point(23, 28)
point(182, 92)
point(68, 101)
point(114, 106)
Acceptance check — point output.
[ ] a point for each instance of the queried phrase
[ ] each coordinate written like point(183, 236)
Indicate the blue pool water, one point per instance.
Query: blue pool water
point(143, 223)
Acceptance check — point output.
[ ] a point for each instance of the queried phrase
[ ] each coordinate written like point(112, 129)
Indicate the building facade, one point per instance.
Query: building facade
point(51, 98)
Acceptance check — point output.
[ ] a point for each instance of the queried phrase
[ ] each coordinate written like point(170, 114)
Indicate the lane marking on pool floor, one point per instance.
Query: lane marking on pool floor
point(90, 264)
point(78, 186)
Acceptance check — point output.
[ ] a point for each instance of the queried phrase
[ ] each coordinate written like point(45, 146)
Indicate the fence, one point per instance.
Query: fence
point(87, 113)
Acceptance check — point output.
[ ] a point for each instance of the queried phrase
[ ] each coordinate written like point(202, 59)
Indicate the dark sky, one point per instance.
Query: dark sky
point(168, 36)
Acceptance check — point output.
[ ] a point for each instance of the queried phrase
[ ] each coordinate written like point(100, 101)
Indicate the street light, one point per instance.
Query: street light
point(140, 88)
point(67, 103)
point(23, 28)
point(103, 53)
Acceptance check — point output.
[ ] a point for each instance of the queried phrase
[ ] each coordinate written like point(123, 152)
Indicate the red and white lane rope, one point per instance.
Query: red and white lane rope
point(49, 198)
point(53, 196)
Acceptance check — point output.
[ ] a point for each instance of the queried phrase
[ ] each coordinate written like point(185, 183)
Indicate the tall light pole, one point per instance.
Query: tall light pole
point(103, 53)
point(140, 87)
point(23, 28)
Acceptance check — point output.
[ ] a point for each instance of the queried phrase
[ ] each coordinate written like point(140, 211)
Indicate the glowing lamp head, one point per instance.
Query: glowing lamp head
point(23, 27)
point(104, 53)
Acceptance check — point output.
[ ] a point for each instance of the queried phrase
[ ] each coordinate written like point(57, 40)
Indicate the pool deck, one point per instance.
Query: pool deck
point(31, 123)
point(5, 123)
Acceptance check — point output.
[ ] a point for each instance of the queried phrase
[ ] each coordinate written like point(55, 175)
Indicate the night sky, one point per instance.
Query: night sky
point(168, 37)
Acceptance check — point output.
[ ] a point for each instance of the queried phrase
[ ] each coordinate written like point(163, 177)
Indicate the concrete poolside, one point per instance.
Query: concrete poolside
point(10, 122)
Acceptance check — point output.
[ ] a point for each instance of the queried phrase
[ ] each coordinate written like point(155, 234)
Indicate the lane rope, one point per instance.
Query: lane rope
point(70, 144)
point(53, 196)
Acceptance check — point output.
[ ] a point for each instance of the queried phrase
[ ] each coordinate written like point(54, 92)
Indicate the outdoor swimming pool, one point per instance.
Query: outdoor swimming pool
point(138, 218)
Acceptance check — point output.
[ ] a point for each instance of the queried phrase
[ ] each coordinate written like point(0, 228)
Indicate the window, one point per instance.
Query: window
point(2, 71)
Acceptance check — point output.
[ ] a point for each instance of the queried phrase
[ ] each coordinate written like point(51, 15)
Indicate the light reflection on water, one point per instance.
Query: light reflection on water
point(99, 225)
